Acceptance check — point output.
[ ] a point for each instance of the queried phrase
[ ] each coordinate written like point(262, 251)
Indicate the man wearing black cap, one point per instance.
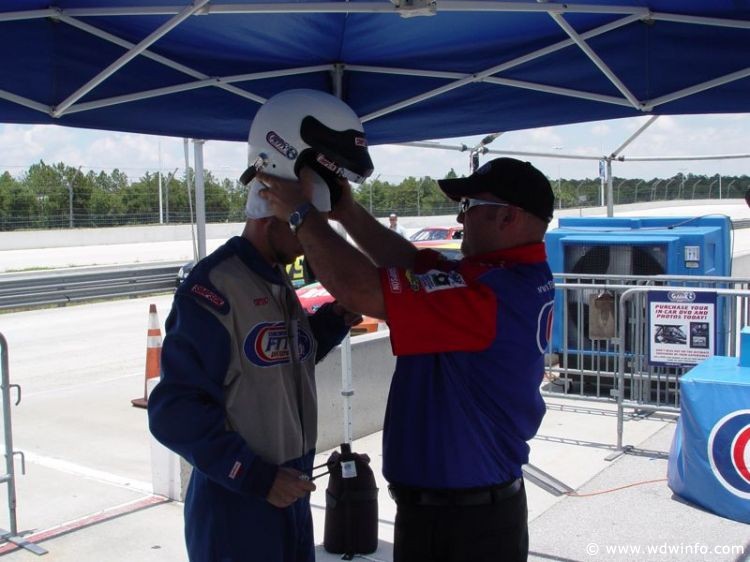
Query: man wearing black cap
point(469, 337)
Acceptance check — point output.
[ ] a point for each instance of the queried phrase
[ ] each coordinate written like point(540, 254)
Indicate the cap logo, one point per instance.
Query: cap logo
point(281, 145)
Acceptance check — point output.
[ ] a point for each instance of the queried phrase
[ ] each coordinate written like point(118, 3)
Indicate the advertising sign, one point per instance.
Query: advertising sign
point(682, 327)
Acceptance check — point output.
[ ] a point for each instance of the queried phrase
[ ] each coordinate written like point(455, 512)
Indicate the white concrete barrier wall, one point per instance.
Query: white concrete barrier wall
point(372, 368)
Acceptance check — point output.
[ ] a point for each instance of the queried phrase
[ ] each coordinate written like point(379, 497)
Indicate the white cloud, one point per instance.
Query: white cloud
point(21, 146)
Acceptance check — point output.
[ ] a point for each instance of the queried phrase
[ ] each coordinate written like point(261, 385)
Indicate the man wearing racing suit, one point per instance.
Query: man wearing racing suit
point(237, 395)
point(469, 337)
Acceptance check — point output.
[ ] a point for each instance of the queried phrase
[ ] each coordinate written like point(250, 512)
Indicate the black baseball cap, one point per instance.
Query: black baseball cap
point(517, 182)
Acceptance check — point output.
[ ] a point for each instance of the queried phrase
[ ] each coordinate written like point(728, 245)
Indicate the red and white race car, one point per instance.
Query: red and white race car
point(315, 295)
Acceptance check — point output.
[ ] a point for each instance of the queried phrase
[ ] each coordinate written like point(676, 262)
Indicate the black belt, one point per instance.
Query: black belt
point(456, 497)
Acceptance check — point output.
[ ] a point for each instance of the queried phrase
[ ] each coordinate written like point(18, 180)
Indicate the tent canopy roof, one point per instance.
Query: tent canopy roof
point(412, 69)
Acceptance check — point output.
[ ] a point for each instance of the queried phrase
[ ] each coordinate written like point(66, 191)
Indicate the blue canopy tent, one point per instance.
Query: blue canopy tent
point(412, 69)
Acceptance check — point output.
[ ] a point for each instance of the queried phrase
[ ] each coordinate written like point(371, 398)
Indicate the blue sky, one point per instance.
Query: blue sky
point(23, 145)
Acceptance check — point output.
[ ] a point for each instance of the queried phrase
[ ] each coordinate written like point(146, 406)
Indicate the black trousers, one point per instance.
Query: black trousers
point(486, 533)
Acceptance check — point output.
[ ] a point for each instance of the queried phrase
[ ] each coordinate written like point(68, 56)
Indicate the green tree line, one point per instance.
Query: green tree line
point(42, 196)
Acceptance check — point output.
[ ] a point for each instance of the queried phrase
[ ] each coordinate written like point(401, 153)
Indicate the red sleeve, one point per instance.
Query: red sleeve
point(438, 311)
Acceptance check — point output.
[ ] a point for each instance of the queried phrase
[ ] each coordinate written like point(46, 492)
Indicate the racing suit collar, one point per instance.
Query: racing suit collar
point(253, 260)
point(530, 253)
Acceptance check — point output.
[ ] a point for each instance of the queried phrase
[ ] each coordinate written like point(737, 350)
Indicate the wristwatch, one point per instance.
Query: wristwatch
point(298, 216)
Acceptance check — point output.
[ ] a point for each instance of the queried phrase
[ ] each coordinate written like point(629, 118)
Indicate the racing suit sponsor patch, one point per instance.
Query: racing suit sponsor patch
point(435, 280)
point(393, 280)
point(268, 344)
point(207, 294)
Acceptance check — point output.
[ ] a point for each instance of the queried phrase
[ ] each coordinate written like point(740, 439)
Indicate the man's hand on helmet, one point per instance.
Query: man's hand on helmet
point(344, 203)
point(284, 196)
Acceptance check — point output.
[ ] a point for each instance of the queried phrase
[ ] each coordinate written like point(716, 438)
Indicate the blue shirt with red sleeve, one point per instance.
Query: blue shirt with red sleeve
point(469, 337)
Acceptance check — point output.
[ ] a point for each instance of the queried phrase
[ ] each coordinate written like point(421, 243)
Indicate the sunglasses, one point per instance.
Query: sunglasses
point(467, 203)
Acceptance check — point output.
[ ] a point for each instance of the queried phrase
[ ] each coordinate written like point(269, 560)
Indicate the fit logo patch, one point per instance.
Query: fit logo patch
point(393, 280)
point(268, 344)
point(440, 280)
point(729, 452)
point(207, 294)
point(281, 145)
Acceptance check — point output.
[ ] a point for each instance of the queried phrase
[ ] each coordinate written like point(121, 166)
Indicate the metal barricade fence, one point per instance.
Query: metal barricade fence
point(605, 358)
point(9, 477)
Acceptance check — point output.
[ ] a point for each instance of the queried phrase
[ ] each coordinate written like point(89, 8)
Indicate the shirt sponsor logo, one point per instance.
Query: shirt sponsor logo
point(260, 301)
point(548, 286)
point(435, 280)
point(235, 470)
point(729, 452)
point(268, 344)
point(281, 145)
point(544, 327)
point(413, 281)
point(208, 294)
point(393, 280)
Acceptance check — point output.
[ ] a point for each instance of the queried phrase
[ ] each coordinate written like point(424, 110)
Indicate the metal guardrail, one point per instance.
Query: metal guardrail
point(29, 290)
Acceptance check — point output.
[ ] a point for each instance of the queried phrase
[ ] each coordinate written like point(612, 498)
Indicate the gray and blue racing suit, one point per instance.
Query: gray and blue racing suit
point(237, 400)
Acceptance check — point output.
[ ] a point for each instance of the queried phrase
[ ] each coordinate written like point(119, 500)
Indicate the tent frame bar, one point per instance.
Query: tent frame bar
point(95, 31)
point(456, 80)
point(144, 44)
point(589, 52)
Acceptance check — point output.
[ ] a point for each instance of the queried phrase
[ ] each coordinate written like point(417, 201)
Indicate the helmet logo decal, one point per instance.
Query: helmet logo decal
point(268, 344)
point(326, 163)
point(360, 141)
point(281, 145)
point(729, 452)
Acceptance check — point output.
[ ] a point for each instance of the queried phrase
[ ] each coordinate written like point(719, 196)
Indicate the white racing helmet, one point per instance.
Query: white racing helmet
point(300, 128)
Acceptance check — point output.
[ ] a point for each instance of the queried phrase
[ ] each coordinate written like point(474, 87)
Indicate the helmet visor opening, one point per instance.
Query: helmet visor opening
point(343, 153)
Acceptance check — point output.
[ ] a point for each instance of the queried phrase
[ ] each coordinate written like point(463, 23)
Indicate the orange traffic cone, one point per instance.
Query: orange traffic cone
point(153, 357)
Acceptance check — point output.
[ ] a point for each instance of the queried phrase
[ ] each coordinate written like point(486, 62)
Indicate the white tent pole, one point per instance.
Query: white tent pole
point(698, 20)
point(186, 150)
point(720, 81)
point(28, 15)
point(683, 158)
point(153, 56)
point(161, 204)
point(347, 388)
point(364, 7)
point(480, 76)
point(26, 102)
point(218, 82)
point(596, 60)
point(200, 198)
point(160, 32)
point(634, 136)
point(610, 190)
